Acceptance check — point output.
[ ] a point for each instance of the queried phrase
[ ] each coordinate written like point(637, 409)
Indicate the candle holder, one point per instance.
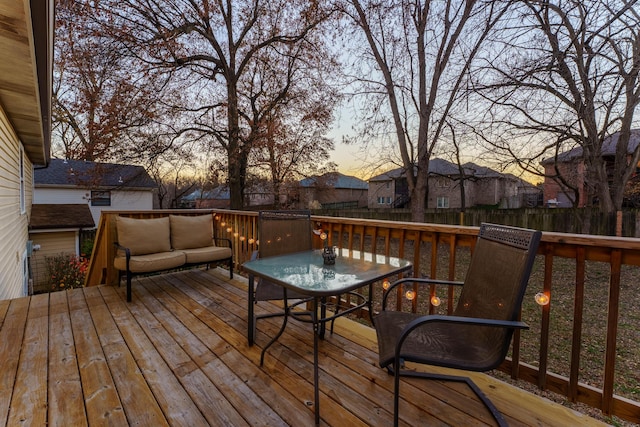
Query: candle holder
point(329, 255)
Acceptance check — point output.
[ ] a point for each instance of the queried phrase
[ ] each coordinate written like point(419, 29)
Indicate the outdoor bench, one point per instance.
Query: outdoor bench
point(158, 244)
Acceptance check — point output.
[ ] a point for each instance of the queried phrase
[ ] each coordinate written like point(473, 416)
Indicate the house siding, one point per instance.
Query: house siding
point(13, 223)
point(120, 200)
point(51, 243)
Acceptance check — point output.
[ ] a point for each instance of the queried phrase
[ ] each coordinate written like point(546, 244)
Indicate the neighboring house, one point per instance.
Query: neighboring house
point(26, 45)
point(101, 186)
point(570, 166)
point(482, 186)
point(54, 230)
point(217, 198)
point(332, 190)
point(258, 194)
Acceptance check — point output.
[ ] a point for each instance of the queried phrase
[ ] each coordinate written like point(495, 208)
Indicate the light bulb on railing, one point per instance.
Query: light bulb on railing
point(242, 238)
point(323, 236)
point(435, 301)
point(410, 295)
point(217, 217)
point(251, 241)
point(222, 224)
point(229, 229)
point(236, 234)
point(385, 284)
point(542, 298)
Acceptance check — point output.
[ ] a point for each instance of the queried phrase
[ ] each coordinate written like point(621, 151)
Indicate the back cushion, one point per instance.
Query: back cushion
point(144, 236)
point(188, 232)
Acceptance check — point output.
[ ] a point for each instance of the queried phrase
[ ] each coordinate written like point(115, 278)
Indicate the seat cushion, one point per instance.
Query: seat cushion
point(151, 262)
point(188, 232)
point(144, 236)
point(208, 254)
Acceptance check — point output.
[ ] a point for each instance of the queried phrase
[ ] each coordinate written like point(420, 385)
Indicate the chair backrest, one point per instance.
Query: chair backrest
point(283, 232)
point(497, 279)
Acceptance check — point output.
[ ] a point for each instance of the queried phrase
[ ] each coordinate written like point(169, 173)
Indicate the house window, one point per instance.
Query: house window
point(23, 208)
point(101, 198)
point(388, 200)
point(443, 183)
point(443, 202)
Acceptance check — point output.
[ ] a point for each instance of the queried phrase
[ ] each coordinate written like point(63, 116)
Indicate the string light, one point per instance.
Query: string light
point(435, 300)
point(229, 229)
point(542, 298)
point(410, 295)
point(251, 241)
point(385, 284)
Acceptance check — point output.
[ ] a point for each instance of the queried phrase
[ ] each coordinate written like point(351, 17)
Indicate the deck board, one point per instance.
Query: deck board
point(178, 355)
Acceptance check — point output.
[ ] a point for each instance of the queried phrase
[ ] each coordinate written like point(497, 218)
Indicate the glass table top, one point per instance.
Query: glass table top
point(307, 273)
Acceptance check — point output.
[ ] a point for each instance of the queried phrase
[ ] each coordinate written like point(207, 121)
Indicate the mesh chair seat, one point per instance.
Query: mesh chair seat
point(440, 344)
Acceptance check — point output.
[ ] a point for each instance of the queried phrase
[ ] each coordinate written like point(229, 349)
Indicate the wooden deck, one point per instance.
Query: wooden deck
point(178, 355)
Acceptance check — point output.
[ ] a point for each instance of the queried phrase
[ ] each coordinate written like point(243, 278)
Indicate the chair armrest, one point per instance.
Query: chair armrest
point(416, 323)
point(226, 242)
point(424, 281)
point(515, 324)
point(127, 251)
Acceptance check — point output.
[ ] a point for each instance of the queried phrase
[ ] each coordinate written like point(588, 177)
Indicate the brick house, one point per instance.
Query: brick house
point(331, 190)
point(482, 185)
point(572, 169)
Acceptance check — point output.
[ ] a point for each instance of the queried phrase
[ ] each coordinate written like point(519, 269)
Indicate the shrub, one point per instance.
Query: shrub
point(66, 271)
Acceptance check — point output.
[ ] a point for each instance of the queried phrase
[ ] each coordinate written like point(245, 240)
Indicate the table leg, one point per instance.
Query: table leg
point(284, 325)
point(316, 338)
point(250, 319)
point(323, 315)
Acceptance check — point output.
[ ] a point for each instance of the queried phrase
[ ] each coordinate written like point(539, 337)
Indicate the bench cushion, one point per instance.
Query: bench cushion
point(144, 236)
point(209, 254)
point(151, 262)
point(188, 232)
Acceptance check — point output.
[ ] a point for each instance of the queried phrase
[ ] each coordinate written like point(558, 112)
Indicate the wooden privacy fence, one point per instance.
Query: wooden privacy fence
point(574, 270)
point(565, 220)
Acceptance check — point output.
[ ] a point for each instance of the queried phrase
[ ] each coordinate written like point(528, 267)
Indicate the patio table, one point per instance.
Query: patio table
point(306, 273)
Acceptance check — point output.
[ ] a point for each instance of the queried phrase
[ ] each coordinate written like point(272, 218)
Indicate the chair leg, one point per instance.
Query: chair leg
point(397, 372)
point(129, 286)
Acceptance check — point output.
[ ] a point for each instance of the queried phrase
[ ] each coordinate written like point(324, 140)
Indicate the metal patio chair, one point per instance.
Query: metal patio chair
point(477, 336)
point(279, 233)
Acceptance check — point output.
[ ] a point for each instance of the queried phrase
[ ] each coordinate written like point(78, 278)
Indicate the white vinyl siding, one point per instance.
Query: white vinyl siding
point(13, 223)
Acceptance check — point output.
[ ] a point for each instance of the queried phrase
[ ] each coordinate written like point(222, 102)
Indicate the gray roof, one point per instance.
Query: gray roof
point(608, 148)
point(444, 168)
point(85, 174)
point(219, 193)
point(336, 180)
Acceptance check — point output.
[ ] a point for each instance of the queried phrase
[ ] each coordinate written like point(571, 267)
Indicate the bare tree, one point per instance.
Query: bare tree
point(213, 47)
point(422, 52)
point(567, 77)
point(102, 102)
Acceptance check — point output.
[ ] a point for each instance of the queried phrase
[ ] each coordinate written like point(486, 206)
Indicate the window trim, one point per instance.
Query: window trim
point(103, 198)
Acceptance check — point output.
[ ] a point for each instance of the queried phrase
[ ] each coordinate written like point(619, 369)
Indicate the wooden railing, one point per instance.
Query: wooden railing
point(588, 278)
